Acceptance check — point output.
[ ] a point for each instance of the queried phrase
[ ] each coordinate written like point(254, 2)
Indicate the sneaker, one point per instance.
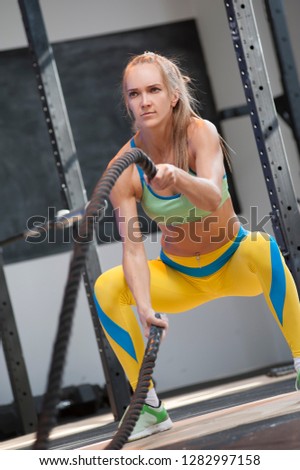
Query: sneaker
point(151, 421)
point(297, 384)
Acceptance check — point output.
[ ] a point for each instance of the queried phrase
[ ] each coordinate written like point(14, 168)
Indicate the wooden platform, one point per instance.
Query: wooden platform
point(257, 413)
point(193, 429)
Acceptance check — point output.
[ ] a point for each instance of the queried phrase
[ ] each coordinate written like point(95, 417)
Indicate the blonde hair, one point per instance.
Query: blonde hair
point(176, 82)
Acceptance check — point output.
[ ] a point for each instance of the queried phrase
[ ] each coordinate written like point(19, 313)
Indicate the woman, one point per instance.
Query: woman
point(205, 253)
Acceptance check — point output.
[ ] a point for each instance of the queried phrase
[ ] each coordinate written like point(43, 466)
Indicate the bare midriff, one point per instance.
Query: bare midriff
point(200, 237)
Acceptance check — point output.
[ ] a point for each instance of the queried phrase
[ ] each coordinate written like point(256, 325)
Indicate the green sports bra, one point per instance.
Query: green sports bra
point(176, 209)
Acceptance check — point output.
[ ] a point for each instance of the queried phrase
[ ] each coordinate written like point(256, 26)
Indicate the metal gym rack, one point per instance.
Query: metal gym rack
point(285, 214)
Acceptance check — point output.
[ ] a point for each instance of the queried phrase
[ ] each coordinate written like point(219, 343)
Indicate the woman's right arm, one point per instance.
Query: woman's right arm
point(135, 265)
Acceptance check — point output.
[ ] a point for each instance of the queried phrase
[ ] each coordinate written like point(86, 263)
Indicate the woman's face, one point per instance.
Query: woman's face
point(147, 96)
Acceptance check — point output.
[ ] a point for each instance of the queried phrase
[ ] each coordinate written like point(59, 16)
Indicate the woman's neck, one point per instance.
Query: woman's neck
point(157, 145)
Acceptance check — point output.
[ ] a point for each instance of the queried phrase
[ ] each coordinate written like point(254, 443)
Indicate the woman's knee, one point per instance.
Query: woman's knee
point(109, 284)
point(101, 284)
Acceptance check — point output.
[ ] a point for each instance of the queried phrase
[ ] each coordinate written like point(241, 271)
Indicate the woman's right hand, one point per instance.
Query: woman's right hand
point(148, 318)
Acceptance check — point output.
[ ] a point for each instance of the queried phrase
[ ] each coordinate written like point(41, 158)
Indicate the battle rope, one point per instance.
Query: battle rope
point(84, 235)
point(139, 396)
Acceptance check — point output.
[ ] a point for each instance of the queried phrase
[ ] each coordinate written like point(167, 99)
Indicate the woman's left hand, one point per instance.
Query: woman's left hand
point(164, 178)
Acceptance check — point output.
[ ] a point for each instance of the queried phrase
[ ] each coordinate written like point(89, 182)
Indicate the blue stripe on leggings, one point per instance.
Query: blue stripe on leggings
point(278, 283)
point(212, 267)
point(118, 334)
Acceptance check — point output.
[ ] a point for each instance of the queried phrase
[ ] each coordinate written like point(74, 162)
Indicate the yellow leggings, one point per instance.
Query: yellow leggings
point(248, 266)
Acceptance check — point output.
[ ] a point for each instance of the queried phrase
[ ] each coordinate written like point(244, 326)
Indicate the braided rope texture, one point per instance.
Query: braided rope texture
point(48, 416)
point(139, 396)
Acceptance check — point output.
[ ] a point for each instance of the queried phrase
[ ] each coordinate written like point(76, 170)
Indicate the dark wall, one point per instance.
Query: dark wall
point(90, 71)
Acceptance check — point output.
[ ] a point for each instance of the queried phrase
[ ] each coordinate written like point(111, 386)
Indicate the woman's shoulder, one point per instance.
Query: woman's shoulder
point(201, 133)
point(200, 126)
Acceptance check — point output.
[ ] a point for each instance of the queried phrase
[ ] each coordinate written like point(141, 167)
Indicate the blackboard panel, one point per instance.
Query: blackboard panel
point(90, 71)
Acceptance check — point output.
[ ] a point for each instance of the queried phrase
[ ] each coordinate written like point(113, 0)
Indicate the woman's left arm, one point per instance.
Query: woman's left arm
point(204, 190)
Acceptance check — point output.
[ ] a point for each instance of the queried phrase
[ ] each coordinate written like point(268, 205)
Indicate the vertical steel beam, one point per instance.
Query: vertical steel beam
point(72, 186)
point(289, 76)
point(284, 206)
point(15, 360)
